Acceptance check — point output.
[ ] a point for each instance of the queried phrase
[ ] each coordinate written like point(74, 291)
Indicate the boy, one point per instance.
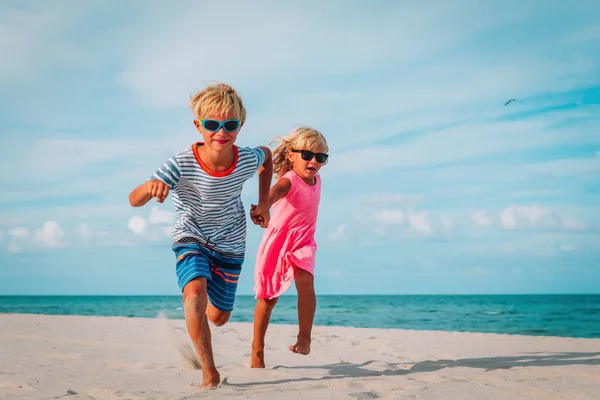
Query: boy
point(210, 233)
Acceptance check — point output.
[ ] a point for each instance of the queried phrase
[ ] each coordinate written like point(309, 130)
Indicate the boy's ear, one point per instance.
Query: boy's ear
point(197, 125)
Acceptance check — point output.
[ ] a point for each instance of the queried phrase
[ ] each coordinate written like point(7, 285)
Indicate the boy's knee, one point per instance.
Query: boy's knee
point(217, 317)
point(194, 294)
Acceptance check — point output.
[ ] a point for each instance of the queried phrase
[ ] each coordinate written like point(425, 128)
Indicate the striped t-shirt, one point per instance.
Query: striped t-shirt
point(208, 204)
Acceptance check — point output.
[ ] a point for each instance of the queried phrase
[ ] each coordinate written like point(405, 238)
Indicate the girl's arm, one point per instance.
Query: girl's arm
point(279, 190)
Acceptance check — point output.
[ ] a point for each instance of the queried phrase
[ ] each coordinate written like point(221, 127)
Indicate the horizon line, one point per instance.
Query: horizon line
point(323, 295)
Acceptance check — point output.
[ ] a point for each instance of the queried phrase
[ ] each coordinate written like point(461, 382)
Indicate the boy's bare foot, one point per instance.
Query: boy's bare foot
point(257, 359)
point(302, 345)
point(210, 380)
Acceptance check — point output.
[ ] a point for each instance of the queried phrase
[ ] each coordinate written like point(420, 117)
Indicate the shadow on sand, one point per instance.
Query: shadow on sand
point(348, 370)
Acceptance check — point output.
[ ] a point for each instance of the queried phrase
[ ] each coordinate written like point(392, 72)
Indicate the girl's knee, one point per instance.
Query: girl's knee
point(269, 303)
point(304, 279)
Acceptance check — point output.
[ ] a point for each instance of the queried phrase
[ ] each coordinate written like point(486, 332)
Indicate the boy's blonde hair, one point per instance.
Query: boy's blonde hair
point(218, 98)
point(302, 138)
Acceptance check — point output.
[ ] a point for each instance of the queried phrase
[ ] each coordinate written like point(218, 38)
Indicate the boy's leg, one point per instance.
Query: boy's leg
point(307, 303)
point(195, 305)
point(216, 316)
point(221, 289)
point(262, 315)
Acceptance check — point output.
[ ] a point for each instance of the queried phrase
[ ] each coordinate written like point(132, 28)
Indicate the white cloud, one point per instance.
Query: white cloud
point(477, 271)
point(30, 39)
point(380, 231)
point(389, 217)
point(9, 221)
point(568, 248)
point(13, 247)
point(1, 237)
point(338, 233)
point(50, 235)
point(527, 216)
point(446, 223)
point(51, 158)
point(481, 218)
point(396, 199)
point(158, 216)
point(420, 222)
point(571, 224)
point(138, 225)
point(19, 232)
point(156, 72)
point(485, 138)
point(84, 231)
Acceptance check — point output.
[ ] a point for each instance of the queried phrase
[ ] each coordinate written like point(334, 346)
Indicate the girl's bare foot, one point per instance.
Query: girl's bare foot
point(210, 380)
point(302, 345)
point(257, 359)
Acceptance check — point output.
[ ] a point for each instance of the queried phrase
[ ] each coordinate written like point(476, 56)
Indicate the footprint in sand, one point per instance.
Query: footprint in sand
point(63, 356)
point(364, 395)
point(187, 355)
point(107, 394)
point(15, 386)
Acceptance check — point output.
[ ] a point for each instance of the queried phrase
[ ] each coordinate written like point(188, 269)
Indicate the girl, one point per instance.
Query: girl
point(287, 250)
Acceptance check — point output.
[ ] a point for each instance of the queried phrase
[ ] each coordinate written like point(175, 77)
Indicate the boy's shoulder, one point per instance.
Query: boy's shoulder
point(248, 149)
point(255, 153)
point(186, 151)
point(183, 155)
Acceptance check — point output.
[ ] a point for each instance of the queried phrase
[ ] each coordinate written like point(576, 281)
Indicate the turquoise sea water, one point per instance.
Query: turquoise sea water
point(541, 315)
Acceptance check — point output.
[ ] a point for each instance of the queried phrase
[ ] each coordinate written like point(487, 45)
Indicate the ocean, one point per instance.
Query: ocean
point(538, 315)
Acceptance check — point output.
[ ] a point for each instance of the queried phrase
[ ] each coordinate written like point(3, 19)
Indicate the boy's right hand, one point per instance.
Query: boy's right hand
point(257, 219)
point(158, 189)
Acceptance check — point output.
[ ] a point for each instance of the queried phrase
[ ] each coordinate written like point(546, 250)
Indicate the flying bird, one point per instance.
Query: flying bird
point(510, 101)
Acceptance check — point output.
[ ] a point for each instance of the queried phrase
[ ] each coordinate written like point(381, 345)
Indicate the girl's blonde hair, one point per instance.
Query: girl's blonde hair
point(219, 98)
point(302, 138)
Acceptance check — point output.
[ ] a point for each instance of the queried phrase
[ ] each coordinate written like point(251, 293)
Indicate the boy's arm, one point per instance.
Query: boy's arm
point(279, 190)
point(164, 179)
point(260, 214)
point(265, 176)
point(146, 191)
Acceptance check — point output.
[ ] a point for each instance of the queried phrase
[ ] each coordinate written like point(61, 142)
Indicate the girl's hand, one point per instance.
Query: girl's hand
point(260, 215)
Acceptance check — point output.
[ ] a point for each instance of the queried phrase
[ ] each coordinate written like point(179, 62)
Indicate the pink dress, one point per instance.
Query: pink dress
point(289, 240)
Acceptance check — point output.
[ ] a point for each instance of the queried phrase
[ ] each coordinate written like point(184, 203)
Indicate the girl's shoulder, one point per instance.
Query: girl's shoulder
point(290, 176)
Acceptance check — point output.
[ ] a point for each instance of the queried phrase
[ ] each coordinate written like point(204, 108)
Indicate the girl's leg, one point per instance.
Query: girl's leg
point(307, 303)
point(262, 315)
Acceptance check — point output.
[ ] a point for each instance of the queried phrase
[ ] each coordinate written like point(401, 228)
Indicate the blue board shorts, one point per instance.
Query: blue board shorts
point(221, 273)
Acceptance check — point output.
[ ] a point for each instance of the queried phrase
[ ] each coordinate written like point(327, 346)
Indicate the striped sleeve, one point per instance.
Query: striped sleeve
point(168, 173)
point(260, 156)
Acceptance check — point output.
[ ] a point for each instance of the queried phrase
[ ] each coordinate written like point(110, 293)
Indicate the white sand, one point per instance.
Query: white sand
point(63, 357)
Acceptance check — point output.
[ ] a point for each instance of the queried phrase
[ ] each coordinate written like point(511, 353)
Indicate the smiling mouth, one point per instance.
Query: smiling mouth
point(311, 168)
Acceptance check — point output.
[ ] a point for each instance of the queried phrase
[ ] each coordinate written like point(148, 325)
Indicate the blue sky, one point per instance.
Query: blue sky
point(434, 186)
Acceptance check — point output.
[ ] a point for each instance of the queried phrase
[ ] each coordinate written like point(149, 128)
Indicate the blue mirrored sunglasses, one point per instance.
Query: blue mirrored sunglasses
point(212, 125)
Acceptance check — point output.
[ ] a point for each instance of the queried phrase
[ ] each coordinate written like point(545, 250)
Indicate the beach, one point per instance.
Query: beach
point(91, 357)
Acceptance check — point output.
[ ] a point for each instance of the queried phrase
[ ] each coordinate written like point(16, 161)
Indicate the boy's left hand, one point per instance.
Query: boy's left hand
point(260, 214)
